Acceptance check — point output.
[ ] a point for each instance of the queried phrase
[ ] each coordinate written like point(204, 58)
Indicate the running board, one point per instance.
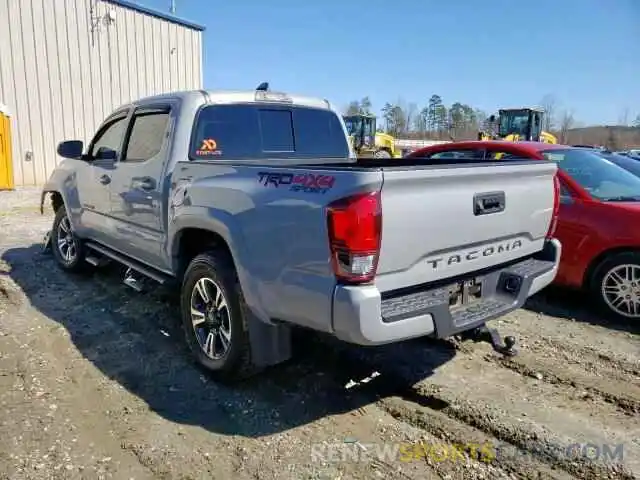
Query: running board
point(97, 261)
point(128, 262)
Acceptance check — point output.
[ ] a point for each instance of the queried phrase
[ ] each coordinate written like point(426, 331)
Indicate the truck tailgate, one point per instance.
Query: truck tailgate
point(444, 221)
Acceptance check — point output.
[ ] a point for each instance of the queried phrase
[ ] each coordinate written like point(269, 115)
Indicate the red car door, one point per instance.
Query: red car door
point(571, 231)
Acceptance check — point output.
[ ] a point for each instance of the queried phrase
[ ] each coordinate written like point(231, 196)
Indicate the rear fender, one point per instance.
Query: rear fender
point(191, 216)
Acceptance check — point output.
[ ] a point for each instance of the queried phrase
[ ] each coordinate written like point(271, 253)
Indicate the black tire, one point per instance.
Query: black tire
point(77, 263)
point(216, 270)
point(382, 153)
point(602, 277)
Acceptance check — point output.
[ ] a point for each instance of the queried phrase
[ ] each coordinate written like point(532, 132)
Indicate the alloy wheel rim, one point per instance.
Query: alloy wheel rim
point(621, 290)
point(210, 318)
point(66, 242)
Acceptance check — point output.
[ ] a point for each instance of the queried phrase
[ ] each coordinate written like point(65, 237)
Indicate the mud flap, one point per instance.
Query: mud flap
point(270, 343)
point(46, 243)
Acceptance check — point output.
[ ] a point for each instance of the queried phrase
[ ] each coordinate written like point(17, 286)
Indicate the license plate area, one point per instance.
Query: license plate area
point(465, 293)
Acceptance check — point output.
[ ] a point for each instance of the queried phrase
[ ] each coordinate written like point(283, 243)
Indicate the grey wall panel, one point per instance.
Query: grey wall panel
point(63, 69)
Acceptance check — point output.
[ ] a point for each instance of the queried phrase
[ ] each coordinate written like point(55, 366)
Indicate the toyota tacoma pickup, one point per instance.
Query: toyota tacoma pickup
point(254, 205)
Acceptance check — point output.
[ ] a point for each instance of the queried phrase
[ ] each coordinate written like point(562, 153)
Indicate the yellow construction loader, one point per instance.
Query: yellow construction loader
point(518, 124)
point(366, 141)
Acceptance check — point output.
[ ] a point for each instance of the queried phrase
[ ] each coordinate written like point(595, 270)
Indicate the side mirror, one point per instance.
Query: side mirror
point(105, 157)
point(492, 118)
point(71, 149)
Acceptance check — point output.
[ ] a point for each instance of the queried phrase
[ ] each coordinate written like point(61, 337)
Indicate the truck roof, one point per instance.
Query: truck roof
point(232, 96)
point(535, 108)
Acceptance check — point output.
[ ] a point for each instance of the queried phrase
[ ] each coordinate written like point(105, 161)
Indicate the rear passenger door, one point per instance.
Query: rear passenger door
point(138, 184)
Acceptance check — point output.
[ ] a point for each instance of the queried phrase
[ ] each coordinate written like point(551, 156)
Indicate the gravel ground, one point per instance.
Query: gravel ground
point(95, 383)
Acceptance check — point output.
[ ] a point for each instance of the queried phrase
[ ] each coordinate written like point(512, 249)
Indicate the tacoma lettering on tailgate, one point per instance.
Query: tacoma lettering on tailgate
point(471, 255)
point(299, 182)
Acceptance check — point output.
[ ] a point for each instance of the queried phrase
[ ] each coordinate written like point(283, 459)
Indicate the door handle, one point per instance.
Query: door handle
point(145, 184)
point(105, 179)
point(487, 203)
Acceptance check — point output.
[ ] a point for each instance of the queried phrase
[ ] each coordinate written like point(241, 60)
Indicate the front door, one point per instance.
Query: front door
point(93, 180)
point(137, 186)
point(571, 231)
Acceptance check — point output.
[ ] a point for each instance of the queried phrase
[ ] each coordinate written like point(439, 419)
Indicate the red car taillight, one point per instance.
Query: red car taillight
point(556, 207)
point(355, 230)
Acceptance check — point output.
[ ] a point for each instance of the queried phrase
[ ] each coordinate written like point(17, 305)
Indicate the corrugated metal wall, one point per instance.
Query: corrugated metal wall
point(63, 69)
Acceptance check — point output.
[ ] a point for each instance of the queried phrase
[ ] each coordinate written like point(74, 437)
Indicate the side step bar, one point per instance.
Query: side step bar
point(132, 264)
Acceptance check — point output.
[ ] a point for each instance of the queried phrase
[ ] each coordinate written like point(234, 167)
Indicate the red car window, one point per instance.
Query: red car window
point(601, 178)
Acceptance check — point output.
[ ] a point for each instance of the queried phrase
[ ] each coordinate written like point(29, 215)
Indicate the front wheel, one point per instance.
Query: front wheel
point(616, 285)
point(68, 250)
point(382, 154)
point(213, 317)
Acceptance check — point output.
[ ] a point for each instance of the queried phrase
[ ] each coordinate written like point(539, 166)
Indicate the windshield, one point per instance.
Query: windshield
point(352, 124)
point(514, 122)
point(627, 163)
point(368, 127)
point(602, 178)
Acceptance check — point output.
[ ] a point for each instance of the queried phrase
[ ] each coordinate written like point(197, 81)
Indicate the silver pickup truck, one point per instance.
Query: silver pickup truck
point(255, 206)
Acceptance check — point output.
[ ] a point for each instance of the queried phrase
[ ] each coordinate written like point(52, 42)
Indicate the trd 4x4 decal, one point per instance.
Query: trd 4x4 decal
point(298, 182)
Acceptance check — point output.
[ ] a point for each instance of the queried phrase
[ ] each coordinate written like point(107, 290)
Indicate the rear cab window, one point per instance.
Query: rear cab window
point(261, 131)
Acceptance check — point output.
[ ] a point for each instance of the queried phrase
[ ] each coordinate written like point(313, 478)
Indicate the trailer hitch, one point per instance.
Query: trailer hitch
point(507, 347)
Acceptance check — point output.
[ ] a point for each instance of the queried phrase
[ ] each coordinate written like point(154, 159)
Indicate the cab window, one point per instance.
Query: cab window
point(109, 136)
point(147, 137)
point(256, 131)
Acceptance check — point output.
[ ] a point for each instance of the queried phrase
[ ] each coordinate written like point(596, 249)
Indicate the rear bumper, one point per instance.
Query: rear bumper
point(362, 316)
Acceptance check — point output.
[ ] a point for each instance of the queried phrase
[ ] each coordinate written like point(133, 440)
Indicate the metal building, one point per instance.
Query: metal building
point(66, 64)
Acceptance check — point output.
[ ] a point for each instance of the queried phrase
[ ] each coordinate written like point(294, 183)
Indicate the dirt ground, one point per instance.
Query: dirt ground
point(95, 383)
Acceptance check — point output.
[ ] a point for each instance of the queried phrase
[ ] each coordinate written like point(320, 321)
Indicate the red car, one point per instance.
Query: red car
point(599, 220)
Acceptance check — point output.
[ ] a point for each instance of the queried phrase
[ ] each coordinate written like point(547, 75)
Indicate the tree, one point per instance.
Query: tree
point(456, 116)
point(359, 107)
point(435, 120)
point(549, 104)
point(441, 119)
point(420, 121)
point(411, 114)
point(424, 119)
point(365, 106)
point(624, 117)
point(566, 122)
point(399, 120)
point(434, 110)
point(353, 108)
point(387, 115)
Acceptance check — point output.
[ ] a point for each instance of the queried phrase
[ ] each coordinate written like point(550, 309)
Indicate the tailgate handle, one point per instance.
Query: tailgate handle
point(490, 202)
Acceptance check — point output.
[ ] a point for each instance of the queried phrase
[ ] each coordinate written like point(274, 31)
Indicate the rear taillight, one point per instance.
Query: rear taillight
point(355, 229)
point(556, 207)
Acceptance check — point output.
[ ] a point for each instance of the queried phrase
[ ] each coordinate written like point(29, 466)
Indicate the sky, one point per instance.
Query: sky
point(500, 53)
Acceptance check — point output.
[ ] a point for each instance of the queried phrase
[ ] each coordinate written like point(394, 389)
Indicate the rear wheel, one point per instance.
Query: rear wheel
point(616, 285)
point(213, 317)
